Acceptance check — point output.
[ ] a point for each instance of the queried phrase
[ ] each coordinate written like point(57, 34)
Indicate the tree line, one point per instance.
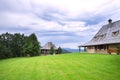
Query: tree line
point(52, 50)
point(18, 45)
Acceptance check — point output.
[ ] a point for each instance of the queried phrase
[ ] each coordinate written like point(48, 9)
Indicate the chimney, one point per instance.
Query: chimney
point(110, 21)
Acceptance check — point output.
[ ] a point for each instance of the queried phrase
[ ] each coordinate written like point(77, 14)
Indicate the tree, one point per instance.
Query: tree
point(17, 43)
point(52, 50)
point(31, 46)
point(1, 49)
point(5, 45)
point(59, 50)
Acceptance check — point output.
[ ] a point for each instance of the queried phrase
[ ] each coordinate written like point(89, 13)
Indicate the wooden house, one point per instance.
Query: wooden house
point(45, 50)
point(106, 40)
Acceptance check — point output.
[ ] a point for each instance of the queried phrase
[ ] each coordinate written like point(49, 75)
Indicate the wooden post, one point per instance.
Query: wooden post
point(79, 49)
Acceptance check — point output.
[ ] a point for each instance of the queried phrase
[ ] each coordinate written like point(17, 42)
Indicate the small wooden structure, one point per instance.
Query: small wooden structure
point(45, 50)
point(106, 40)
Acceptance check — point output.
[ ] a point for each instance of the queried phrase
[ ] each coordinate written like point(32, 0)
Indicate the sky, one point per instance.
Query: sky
point(66, 23)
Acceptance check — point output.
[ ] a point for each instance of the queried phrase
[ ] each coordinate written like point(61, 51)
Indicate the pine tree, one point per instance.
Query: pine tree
point(52, 50)
point(59, 50)
point(17, 45)
point(5, 43)
point(31, 46)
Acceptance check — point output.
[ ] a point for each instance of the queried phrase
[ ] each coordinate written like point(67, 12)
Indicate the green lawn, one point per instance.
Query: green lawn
point(62, 67)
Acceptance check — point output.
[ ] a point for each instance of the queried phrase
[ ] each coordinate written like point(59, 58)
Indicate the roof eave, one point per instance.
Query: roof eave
point(87, 45)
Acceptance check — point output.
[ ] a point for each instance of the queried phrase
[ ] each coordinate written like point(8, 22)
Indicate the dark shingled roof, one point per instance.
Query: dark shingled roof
point(49, 45)
point(108, 34)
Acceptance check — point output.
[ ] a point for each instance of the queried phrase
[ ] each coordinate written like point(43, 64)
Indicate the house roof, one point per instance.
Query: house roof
point(108, 34)
point(49, 45)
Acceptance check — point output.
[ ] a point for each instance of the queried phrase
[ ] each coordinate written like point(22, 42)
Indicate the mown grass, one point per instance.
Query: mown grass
point(62, 67)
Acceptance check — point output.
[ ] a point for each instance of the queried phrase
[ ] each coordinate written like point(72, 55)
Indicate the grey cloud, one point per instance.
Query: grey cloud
point(55, 33)
point(52, 14)
point(14, 28)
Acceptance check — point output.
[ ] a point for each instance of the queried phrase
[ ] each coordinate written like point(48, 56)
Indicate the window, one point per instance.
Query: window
point(115, 33)
point(100, 47)
point(99, 37)
point(96, 38)
point(90, 47)
point(102, 36)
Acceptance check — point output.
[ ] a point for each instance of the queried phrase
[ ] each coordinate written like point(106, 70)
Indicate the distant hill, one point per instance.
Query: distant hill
point(71, 50)
point(65, 51)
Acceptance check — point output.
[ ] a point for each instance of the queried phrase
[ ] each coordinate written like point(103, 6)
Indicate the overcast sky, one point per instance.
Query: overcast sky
point(67, 23)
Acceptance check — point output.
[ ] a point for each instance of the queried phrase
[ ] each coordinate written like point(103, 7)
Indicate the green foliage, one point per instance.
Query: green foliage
point(52, 50)
point(59, 50)
point(31, 46)
point(17, 45)
point(62, 67)
point(5, 45)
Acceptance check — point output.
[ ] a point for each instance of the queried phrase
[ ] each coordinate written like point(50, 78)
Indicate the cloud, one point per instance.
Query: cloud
point(67, 23)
